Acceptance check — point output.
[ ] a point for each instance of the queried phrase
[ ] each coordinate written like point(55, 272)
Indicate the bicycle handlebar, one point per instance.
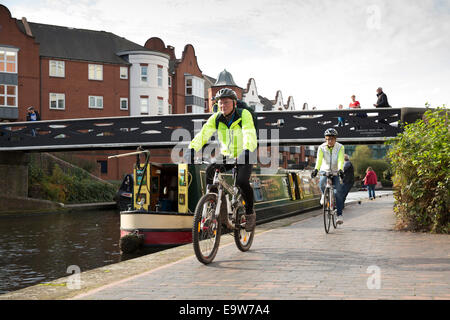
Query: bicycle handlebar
point(329, 174)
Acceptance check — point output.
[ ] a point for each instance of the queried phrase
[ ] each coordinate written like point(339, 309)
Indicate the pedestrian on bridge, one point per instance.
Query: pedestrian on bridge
point(33, 115)
point(370, 180)
point(341, 120)
point(382, 101)
point(356, 105)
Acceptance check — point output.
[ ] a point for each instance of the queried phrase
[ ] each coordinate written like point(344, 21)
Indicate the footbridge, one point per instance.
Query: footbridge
point(364, 126)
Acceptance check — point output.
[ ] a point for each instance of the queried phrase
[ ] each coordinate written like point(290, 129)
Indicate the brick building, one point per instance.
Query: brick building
point(68, 73)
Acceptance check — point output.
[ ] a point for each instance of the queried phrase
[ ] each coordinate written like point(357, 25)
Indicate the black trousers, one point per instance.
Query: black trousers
point(242, 180)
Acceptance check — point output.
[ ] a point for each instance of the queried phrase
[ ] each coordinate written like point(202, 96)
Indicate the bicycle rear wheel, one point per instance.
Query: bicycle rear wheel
point(242, 238)
point(326, 210)
point(206, 229)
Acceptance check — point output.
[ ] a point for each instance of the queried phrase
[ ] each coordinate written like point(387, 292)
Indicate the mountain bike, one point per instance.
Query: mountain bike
point(216, 210)
point(329, 202)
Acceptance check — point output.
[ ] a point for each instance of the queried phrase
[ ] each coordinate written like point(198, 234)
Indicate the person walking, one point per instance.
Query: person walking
point(341, 120)
point(33, 115)
point(370, 180)
point(349, 176)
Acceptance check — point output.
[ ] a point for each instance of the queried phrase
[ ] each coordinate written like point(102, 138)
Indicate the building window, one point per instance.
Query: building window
point(123, 103)
point(57, 101)
point(96, 72)
point(144, 73)
point(95, 102)
point(56, 68)
point(160, 105)
point(8, 61)
point(198, 109)
point(144, 105)
point(170, 81)
point(123, 72)
point(188, 109)
point(160, 76)
point(195, 86)
point(189, 86)
point(8, 96)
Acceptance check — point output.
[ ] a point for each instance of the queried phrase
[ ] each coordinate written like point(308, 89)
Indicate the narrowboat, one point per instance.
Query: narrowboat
point(160, 210)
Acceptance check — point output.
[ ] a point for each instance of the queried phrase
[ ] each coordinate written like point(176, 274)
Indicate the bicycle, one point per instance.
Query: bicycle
point(329, 202)
point(208, 218)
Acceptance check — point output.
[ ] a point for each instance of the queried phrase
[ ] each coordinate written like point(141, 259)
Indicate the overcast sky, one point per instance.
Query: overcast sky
point(318, 51)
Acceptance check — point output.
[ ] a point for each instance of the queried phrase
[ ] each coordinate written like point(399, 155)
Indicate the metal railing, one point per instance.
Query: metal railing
point(285, 128)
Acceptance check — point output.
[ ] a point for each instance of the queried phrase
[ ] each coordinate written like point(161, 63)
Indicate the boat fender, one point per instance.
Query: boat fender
point(131, 242)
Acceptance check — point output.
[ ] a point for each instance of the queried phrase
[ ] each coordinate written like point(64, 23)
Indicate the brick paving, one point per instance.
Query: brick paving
point(300, 261)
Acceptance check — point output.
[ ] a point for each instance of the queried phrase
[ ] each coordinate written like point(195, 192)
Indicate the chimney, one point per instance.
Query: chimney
point(27, 27)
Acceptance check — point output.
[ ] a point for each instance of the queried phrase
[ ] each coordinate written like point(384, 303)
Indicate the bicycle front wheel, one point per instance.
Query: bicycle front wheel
point(206, 229)
point(242, 238)
point(327, 210)
point(333, 207)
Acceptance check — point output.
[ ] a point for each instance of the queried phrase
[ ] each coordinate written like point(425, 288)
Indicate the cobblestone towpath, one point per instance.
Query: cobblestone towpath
point(362, 259)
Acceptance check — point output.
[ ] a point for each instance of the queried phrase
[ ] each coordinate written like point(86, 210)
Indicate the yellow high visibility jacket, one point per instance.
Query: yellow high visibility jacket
point(235, 137)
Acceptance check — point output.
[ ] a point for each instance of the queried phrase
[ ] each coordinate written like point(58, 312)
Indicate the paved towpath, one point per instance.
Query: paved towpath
point(362, 259)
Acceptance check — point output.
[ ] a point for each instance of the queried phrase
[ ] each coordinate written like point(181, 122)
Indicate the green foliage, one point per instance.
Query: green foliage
point(74, 186)
point(420, 158)
point(362, 159)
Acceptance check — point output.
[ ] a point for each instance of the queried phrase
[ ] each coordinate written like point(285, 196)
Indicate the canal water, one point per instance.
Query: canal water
point(39, 248)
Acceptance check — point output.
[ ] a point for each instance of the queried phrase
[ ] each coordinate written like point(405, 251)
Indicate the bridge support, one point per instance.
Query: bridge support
point(14, 173)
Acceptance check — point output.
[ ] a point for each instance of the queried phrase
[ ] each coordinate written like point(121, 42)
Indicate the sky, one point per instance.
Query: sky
point(318, 51)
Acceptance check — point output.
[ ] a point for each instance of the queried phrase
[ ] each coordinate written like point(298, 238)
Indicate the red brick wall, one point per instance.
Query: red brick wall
point(28, 62)
point(188, 64)
point(77, 88)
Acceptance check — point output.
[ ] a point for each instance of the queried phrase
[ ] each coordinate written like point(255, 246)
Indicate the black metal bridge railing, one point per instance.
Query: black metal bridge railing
point(285, 128)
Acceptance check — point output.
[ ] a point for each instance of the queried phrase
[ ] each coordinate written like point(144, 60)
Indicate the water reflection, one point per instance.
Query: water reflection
point(36, 248)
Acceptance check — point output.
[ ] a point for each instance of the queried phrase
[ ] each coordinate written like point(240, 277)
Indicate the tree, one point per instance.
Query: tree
point(360, 158)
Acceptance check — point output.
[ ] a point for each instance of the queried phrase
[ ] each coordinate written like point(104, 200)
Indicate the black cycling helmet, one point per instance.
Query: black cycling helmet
point(226, 93)
point(330, 132)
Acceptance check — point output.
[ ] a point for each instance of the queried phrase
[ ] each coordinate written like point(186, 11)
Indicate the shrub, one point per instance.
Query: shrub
point(420, 158)
point(73, 186)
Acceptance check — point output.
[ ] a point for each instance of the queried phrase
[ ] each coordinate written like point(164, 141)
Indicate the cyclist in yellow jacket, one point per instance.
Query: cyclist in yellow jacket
point(330, 157)
point(237, 138)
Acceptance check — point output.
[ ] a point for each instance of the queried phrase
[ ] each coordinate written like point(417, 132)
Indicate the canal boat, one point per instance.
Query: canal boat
point(165, 196)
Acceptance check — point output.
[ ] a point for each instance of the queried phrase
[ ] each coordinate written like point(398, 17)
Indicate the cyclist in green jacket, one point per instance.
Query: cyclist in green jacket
point(237, 138)
point(330, 157)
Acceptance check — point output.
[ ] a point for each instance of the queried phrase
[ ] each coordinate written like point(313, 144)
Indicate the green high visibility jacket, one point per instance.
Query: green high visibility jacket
point(235, 137)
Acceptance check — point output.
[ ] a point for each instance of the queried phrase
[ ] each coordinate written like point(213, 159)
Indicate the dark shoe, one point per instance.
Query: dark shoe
point(250, 221)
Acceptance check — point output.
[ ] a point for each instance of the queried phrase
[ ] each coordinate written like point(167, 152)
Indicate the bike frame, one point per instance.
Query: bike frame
point(331, 187)
point(232, 205)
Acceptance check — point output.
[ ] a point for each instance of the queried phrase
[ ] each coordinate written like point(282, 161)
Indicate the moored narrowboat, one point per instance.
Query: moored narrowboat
point(165, 196)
